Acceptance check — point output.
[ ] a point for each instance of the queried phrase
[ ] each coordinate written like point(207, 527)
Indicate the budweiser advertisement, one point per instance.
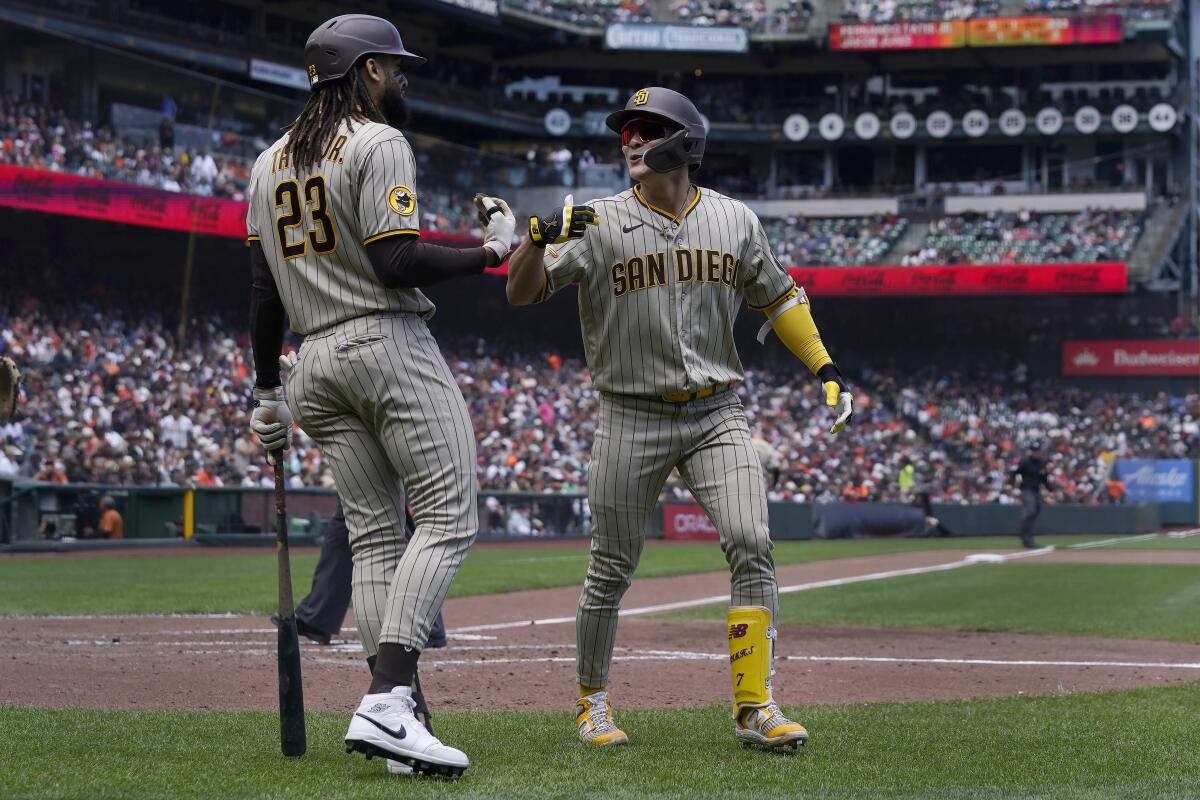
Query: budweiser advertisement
point(1158, 357)
point(987, 32)
point(687, 521)
point(128, 204)
point(966, 279)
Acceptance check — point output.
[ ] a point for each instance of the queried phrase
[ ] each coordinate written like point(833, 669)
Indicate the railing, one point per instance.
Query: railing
point(32, 510)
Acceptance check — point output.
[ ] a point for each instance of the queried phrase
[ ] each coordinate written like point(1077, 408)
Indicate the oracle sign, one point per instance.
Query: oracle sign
point(1132, 357)
point(687, 521)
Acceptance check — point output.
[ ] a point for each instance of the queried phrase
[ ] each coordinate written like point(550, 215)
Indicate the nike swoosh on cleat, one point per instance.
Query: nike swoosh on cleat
point(394, 734)
point(632, 228)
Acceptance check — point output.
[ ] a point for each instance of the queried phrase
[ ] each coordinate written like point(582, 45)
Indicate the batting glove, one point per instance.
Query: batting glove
point(837, 396)
point(271, 421)
point(569, 222)
point(498, 223)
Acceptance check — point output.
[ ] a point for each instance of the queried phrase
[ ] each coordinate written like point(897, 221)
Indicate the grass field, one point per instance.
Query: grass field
point(1138, 744)
point(213, 583)
point(1092, 746)
point(1118, 601)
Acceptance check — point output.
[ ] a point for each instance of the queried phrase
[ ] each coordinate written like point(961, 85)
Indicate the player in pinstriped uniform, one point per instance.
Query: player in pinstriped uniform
point(333, 233)
point(662, 270)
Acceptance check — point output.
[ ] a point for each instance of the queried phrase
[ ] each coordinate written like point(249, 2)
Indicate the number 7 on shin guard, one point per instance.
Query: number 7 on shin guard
point(751, 645)
point(757, 718)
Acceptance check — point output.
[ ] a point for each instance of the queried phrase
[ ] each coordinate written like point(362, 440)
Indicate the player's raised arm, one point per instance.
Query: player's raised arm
point(790, 315)
point(552, 256)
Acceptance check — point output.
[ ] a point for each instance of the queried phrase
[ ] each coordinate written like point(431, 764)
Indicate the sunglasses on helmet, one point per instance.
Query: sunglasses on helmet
point(646, 129)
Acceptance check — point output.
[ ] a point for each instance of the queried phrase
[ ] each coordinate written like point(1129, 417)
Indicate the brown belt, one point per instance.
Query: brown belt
point(707, 391)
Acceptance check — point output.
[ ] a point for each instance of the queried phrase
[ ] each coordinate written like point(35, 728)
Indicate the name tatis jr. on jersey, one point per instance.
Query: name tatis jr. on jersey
point(281, 158)
point(650, 269)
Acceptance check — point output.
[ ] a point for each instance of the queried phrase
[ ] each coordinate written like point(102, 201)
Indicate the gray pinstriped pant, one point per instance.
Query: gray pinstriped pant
point(376, 395)
point(638, 442)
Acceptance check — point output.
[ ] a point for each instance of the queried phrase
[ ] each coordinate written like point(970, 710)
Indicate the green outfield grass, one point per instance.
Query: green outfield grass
point(1137, 744)
point(214, 583)
point(1136, 602)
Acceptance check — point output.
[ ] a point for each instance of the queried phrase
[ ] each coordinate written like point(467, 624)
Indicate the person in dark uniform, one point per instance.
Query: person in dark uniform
point(1030, 475)
point(320, 614)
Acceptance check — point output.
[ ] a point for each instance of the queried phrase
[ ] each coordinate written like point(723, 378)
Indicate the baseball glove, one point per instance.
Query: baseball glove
point(10, 387)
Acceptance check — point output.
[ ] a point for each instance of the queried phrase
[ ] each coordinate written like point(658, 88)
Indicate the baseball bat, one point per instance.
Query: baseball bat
point(292, 738)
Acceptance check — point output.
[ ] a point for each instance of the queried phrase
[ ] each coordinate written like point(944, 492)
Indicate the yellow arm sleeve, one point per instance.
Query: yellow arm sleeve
point(798, 331)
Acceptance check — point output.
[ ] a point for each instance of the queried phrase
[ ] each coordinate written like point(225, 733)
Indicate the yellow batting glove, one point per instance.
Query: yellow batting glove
point(568, 222)
point(837, 397)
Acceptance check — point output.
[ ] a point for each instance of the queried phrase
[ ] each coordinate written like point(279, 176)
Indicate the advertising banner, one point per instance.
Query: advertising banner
point(898, 36)
point(687, 521)
point(1158, 480)
point(58, 193)
point(1132, 357)
point(678, 38)
point(987, 32)
point(1027, 31)
point(966, 279)
point(129, 204)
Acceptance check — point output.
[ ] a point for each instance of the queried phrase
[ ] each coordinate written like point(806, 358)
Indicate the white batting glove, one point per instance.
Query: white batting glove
point(841, 401)
point(499, 224)
point(271, 421)
point(287, 362)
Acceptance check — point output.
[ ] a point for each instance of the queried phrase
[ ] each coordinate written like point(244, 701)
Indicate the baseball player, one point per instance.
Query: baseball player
point(333, 234)
point(662, 269)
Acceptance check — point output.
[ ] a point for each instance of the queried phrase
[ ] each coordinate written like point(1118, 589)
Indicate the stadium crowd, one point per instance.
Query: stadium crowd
point(586, 13)
point(32, 135)
point(839, 242)
point(1020, 237)
point(917, 10)
point(1132, 9)
point(110, 399)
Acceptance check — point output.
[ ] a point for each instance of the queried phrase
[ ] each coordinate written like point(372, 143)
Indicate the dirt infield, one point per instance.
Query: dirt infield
point(517, 651)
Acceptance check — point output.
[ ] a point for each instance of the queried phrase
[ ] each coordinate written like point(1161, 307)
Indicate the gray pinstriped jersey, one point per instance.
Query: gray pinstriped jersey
point(658, 296)
point(314, 225)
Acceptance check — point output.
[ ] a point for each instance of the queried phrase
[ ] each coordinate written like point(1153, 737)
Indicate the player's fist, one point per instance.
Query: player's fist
point(568, 222)
point(837, 397)
point(271, 421)
point(498, 223)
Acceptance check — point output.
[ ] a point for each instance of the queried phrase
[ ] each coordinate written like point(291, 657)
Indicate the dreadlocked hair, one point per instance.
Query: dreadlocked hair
point(345, 98)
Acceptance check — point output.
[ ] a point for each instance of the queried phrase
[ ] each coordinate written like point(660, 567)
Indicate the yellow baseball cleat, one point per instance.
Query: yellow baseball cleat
point(593, 717)
point(766, 726)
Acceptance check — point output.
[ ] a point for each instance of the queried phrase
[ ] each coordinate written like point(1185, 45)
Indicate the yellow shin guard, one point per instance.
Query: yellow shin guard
point(751, 645)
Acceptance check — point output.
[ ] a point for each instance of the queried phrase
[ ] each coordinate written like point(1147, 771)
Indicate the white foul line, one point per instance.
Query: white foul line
point(1113, 540)
point(683, 655)
point(800, 587)
point(1183, 534)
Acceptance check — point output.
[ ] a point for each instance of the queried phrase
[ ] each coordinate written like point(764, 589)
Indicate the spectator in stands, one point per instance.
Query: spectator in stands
point(111, 524)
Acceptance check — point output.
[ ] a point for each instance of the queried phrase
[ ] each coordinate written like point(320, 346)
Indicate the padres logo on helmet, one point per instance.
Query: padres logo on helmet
point(642, 97)
point(402, 200)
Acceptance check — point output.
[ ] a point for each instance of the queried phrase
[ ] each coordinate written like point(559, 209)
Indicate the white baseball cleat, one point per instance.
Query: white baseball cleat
point(384, 725)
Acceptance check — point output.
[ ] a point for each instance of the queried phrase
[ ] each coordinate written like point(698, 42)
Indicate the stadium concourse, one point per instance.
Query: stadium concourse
point(112, 400)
